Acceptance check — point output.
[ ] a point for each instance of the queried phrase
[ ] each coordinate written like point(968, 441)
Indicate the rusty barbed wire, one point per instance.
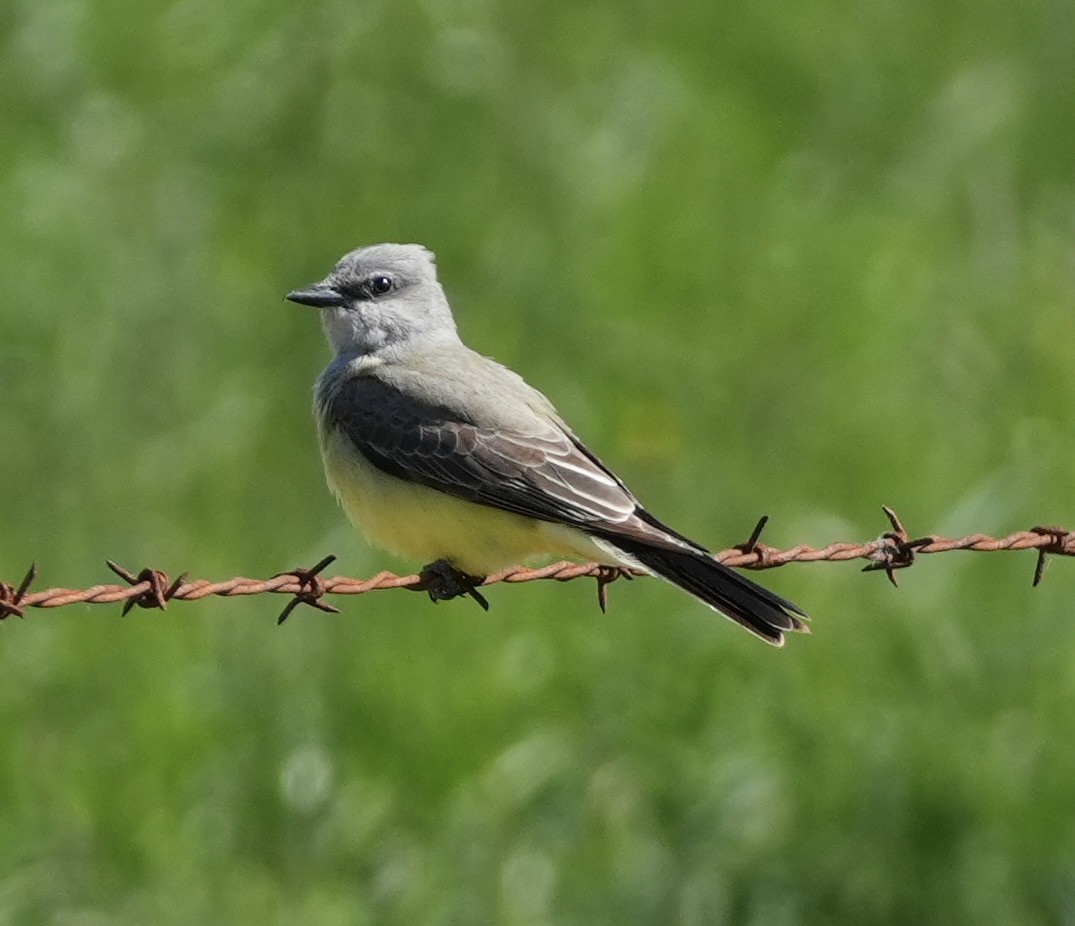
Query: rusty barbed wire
point(152, 588)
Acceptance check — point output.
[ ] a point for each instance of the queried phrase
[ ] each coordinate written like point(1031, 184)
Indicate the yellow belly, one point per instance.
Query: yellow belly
point(424, 524)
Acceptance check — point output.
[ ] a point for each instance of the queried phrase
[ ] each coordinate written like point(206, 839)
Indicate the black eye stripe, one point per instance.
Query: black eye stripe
point(371, 287)
point(352, 290)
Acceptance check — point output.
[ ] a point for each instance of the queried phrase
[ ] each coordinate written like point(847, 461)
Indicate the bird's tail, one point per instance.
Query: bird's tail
point(764, 613)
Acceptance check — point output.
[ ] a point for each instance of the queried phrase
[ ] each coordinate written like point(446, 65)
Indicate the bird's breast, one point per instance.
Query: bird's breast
point(426, 524)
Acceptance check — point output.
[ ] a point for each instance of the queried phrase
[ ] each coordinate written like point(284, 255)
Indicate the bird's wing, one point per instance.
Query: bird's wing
point(540, 471)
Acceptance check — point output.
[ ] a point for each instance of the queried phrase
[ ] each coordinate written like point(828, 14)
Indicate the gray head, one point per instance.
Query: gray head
point(381, 297)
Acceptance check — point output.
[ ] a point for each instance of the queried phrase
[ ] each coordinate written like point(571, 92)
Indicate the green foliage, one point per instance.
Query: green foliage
point(799, 259)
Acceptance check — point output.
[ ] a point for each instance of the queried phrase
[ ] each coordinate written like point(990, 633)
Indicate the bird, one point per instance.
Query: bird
point(440, 454)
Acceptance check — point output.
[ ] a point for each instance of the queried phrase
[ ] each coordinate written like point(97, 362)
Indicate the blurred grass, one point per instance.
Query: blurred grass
point(800, 260)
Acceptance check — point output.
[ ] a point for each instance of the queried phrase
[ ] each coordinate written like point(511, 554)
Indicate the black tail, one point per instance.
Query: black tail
point(760, 611)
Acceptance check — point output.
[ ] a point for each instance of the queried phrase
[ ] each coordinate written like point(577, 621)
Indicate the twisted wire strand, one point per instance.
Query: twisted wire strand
point(152, 588)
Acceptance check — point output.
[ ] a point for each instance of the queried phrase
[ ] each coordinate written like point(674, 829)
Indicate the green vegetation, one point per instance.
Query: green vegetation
point(795, 259)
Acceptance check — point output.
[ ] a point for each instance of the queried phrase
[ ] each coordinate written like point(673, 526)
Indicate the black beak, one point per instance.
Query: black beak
point(319, 295)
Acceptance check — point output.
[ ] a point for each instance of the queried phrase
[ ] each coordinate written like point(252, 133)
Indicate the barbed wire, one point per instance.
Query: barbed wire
point(152, 588)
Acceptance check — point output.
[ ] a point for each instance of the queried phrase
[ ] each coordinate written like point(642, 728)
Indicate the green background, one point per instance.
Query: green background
point(790, 258)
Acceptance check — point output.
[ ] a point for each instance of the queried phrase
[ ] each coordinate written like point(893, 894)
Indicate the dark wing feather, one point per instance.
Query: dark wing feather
point(544, 474)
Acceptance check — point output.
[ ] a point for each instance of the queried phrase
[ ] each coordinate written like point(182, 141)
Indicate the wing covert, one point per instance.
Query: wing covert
point(545, 475)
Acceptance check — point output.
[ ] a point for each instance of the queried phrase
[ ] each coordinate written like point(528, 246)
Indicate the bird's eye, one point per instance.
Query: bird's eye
point(381, 284)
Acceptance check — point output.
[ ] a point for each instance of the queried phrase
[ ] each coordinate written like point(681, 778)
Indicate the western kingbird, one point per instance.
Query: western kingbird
point(438, 453)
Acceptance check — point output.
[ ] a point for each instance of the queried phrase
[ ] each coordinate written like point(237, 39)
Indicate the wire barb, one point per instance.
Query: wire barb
point(1057, 536)
point(752, 541)
point(759, 554)
point(158, 591)
point(311, 588)
point(605, 576)
point(11, 597)
point(895, 550)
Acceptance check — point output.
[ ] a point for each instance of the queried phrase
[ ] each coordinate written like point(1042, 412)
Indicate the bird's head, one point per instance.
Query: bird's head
point(382, 297)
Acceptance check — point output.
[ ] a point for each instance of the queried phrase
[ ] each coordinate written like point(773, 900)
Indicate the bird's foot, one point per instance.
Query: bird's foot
point(444, 582)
